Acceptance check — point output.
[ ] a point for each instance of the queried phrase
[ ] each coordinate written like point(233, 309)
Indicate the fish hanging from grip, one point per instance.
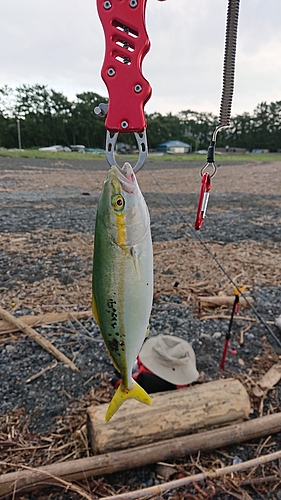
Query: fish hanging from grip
point(225, 106)
point(123, 277)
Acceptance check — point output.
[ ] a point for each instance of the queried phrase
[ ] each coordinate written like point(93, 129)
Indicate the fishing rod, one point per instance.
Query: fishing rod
point(199, 238)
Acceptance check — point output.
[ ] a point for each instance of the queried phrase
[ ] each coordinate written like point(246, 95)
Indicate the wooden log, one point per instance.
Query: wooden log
point(30, 332)
point(167, 450)
point(172, 413)
point(223, 300)
point(43, 319)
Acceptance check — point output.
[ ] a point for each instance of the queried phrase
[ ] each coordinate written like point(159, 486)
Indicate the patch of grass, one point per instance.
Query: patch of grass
point(61, 155)
point(232, 158)
point(58, 155)
point(250, 157)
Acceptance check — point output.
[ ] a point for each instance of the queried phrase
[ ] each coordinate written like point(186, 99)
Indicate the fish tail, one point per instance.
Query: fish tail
point(137, 392)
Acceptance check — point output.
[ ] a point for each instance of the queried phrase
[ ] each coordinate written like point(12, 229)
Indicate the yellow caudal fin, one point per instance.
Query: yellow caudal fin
point(137, 392)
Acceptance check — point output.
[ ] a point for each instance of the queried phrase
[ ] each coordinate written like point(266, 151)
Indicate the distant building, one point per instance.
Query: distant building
point(260, 151)
point(173, 147)
point(231, 149)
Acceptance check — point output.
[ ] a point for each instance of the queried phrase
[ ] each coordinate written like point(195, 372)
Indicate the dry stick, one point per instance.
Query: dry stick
point(42, 319)
point(165, 450)
point(221, 300)
point(57, 482)
point(30, 332)
point(81, 326)
point(41, 372)
point(260, 480)
point(225, 316)
point(195, 478)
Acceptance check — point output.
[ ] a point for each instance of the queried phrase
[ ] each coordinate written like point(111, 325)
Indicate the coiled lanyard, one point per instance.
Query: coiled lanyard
point(225, 107)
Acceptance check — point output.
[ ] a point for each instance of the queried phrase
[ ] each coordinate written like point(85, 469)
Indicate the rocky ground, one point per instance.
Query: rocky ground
point(47, 213)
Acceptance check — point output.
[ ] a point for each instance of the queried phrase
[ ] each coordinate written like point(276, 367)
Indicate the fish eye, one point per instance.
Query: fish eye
point(118, 202)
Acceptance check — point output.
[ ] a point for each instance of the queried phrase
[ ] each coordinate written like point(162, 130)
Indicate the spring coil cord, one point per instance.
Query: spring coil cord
point(228, 79)
point(225, 107)
point(229, 62)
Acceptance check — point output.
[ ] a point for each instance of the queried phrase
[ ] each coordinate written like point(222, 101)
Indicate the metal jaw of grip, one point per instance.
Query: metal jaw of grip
point(142, 145)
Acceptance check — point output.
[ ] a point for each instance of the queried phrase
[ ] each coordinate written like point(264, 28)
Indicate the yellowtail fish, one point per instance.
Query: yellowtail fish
point(123, 277)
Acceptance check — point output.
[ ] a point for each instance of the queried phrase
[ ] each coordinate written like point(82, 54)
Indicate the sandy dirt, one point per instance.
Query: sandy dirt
point(47, 213)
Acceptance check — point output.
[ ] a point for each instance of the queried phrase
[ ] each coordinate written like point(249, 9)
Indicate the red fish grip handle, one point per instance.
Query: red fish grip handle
point(126, 44)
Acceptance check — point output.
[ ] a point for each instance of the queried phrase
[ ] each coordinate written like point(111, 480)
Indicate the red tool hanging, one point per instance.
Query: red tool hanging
point(126, 44)
point(203, 200)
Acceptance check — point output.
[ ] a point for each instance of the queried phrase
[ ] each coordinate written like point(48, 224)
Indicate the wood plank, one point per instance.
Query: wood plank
point(173, 413)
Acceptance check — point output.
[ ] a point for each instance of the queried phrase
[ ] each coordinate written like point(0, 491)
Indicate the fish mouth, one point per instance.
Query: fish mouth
point(125, 177)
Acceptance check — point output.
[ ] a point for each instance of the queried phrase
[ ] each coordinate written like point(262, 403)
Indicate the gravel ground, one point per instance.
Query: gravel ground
point(30, 207)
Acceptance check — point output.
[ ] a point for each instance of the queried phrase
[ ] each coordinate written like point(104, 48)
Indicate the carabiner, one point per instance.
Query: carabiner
point(203, 200)
point(208, 165)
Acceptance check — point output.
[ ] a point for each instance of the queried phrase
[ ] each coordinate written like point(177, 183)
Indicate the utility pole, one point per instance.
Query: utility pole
point(19, 136)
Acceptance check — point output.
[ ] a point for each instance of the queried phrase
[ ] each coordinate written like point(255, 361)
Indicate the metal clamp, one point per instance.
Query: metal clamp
point(142, 146)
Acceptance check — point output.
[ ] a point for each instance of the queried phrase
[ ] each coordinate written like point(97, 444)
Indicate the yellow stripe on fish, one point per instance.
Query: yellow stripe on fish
point(121, 229)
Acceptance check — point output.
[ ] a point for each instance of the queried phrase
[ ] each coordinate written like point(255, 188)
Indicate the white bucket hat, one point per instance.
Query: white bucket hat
point(170, 358)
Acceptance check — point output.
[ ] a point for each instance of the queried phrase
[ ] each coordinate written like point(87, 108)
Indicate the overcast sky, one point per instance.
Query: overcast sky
point(60, 43)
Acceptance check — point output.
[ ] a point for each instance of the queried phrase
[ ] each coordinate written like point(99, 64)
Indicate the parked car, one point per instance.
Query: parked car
point(55, 148)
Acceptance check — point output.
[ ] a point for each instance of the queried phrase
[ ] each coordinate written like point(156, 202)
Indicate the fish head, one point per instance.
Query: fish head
point(122, 207)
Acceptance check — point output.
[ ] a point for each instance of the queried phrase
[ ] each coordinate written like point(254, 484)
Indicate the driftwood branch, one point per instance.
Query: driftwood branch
point(31, 333)
point(143, 455)
point(42, 319)
point(195, 478)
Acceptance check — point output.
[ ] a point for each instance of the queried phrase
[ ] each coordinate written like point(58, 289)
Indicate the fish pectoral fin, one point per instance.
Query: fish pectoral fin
point(135, 256)
point(137, 392)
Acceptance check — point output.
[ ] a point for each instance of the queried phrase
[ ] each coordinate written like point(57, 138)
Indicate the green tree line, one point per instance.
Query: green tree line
point(48, 117)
